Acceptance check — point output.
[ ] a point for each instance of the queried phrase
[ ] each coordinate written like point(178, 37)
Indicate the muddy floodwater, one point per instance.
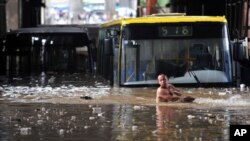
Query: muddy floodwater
point(94, 111)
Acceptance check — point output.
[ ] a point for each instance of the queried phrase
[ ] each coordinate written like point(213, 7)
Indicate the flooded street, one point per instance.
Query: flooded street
point(99, 112)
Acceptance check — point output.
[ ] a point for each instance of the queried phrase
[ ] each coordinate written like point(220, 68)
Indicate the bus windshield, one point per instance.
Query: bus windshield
point(185, 52)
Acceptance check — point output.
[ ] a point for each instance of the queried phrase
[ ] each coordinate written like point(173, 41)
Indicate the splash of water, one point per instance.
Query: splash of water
point(234, 100)
point(16, 92)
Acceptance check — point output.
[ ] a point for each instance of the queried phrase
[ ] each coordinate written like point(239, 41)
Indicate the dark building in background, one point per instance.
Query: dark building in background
point(199, 7)
point(30, 12)
point(2, 17)
point(236, 12)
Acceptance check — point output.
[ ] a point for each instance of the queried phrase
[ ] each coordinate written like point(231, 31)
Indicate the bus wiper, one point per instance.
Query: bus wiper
point(190, 72)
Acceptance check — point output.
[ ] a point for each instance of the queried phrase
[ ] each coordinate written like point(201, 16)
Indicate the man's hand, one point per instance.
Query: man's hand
point(177, 93)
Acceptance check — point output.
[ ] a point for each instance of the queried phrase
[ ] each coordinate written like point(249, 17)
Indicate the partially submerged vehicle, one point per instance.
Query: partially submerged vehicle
point(46, 49)
point(191, 50)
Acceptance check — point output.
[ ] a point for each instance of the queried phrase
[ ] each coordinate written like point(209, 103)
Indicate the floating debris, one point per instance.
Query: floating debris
point(86, 97)
point(134, 128)
point(25, 130)
point(91, 118)
point(242, 87)
point(136, 107)
point(96, 110)
point(222, 93)
point(61, 132)
point(190, 116)
point(73, 118)
point(210, 115)
point(100, 114)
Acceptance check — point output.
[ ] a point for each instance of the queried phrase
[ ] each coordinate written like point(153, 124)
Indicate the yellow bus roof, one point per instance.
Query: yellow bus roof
point(165, 19)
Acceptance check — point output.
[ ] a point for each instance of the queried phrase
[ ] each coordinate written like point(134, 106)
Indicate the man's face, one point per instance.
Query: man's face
point(162, 80)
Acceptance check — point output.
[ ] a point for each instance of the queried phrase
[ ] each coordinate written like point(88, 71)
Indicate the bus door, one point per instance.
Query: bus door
point(131, 63)
point(108, 60)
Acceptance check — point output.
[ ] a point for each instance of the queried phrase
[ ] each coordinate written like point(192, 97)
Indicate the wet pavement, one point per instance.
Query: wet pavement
point(60, 112)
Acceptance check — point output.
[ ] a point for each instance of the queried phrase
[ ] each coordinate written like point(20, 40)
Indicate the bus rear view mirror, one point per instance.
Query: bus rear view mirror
point(108, 47)
point(240, 50)
point(113, 33)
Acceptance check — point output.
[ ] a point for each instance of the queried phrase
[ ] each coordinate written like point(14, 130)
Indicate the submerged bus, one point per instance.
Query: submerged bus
point(190, 50)
point(34, 50)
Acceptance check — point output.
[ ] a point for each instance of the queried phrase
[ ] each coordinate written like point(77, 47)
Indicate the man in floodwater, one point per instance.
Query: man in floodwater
point(166, 91)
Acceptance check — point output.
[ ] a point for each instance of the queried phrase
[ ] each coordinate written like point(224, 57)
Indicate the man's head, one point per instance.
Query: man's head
point(162, 80)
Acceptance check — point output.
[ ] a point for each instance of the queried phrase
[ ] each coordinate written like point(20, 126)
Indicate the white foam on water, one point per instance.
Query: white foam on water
point(17, 92)
point(234, 100)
